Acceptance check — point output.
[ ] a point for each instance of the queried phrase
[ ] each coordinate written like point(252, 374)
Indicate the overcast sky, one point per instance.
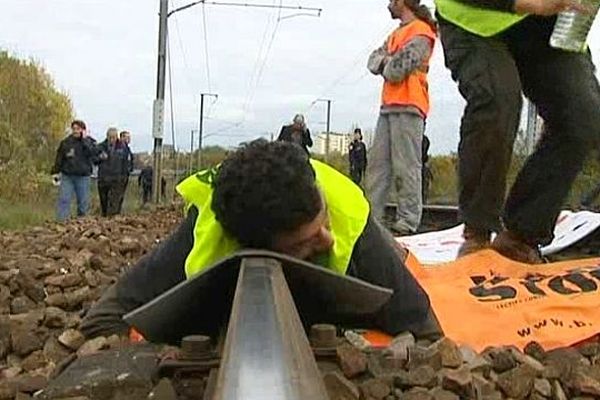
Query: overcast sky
point(103, 54)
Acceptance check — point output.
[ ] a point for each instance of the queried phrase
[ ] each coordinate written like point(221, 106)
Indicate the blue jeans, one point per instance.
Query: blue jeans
point(69, 184)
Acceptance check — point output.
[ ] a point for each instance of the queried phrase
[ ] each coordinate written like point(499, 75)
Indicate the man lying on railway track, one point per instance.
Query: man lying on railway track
point(270, 195)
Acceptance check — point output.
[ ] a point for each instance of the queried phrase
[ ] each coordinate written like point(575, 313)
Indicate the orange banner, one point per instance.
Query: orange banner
point(487, 300)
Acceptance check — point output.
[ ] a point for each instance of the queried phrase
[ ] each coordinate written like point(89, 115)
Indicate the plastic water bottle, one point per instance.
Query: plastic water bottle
point(572, 27)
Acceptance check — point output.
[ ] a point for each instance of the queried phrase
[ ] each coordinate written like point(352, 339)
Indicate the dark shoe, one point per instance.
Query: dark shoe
point(397, 232)
point(475, 240)
point(511, 246)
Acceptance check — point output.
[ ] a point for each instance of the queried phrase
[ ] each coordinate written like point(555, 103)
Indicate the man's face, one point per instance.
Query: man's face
point(76, 130)
point(126, 138)
point(357, 136)
point(395, 8)
point(309, 240)
point(112, 137)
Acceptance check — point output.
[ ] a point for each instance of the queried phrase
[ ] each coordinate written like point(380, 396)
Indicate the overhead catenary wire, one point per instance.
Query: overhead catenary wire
point(268, 52)
point(256, 67)
point(206, 54)
point(209, 109)
point(254, 82)
point(183, 52)
point(315, 10)
point(360, 57)
point(254, 87)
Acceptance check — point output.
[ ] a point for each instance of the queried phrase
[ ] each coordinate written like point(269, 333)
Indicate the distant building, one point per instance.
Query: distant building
point(338, 142)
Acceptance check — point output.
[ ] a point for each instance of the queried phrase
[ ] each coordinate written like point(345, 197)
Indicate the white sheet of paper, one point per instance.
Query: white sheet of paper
point(442, 246)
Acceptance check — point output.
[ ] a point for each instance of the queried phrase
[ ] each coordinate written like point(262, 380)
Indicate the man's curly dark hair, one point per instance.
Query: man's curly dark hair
point(264, 189)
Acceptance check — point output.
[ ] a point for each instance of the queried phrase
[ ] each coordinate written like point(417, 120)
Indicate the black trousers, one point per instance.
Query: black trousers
point(492, 73)
point(108, 191)
point(356, 173)
point(146, 193)
point(122, 189)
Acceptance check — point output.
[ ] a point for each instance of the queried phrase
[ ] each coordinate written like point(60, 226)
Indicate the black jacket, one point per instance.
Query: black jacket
point(128, 164)
point(358, 155)
point(375, 259)
point(75, 156)
point(289, 133)
point(115, 164)
point(145, 178)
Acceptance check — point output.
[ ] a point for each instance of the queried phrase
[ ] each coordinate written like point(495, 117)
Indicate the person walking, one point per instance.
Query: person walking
point(110, 170)
point(394, 169)
point(297, 133)
point(123, 146)
point(497, 51)
point(75, 157)
point(145, 183)
point(358, 157)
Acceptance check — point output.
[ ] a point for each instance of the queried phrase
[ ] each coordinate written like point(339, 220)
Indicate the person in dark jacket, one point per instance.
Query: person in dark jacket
point(123, 144)
point(297, 133)
point(145, 181)
point(110, 171)
point(358, 157)
point(266, 195)
point(73, 166)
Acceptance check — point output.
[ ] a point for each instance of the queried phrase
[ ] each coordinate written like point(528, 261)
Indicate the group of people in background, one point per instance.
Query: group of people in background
point(115, 164)
point(75, 159)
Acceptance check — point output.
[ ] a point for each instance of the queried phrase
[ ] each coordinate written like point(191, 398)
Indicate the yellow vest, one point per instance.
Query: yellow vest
point(347, 207)
point(480, 21)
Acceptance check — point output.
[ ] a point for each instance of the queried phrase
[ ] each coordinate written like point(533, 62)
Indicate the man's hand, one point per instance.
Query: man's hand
point(378, 60)
point(547, 7)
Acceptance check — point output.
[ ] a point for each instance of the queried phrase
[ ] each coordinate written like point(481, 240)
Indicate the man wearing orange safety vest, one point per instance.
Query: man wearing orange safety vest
point(271, 196)
point(395, 158)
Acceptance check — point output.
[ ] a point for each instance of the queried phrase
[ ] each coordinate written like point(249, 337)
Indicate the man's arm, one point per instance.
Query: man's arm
point(129, 160)
point(153, 275)
point(499, 5)
point(378, 259)
point(59, 159)
point(307, 139)
point(407, 60)
point(537, 7)
point(282, 134)
point(364, 155)
point(377, 60)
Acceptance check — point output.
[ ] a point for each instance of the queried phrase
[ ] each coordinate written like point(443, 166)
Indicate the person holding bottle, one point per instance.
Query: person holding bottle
point(498, 50)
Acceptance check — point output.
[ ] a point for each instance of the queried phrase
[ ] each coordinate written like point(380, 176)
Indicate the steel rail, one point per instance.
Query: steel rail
point(266, 353)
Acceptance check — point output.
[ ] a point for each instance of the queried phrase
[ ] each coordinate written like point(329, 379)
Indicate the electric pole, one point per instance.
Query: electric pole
point(201, 126)
point(191, 159)
point(158, 108)
point(328, 127)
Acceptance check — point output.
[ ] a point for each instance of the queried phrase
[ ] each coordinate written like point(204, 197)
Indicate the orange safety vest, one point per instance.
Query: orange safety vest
point(412, 91)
